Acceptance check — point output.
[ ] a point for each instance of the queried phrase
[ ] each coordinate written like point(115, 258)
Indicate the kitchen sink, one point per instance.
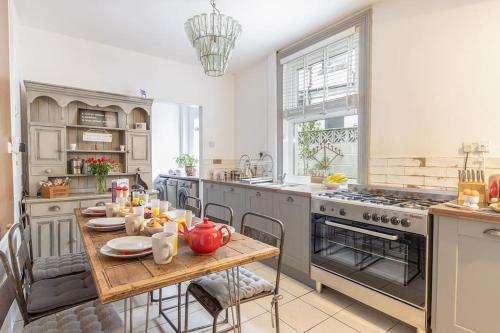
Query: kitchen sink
point(277, 185)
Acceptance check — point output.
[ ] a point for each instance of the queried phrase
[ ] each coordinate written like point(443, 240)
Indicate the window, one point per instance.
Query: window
point(322, 93)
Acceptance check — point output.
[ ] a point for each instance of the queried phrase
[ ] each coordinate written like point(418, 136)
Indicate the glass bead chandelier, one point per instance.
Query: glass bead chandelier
point(213, 36)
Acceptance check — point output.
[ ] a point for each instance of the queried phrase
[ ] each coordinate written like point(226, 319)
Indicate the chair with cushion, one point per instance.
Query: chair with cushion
point(210, 209)
point(188, 202)
point(48, 267)
point(212, 291)
point(39, 298)
point(88, 317)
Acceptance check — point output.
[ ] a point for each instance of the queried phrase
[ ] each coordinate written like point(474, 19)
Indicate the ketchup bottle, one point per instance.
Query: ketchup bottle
point(494, 191)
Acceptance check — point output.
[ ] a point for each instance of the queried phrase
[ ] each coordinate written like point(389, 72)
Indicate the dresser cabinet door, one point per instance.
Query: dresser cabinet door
point(47, 145)
point(54, 236)
point(139, 150)
point(66, 235)
point(43, 236)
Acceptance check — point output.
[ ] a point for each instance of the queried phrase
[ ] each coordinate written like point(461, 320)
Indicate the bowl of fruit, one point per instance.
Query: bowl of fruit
point(333, 181)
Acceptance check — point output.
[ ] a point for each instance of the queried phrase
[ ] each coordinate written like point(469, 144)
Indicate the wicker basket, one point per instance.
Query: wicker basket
point(50, 192)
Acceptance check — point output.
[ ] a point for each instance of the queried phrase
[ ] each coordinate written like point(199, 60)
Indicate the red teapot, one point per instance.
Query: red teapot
point(205, 237)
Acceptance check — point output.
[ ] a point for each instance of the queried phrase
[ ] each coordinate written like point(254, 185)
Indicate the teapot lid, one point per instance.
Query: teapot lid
point(205, 224)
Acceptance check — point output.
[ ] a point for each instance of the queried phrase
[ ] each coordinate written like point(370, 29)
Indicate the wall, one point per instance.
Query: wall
point(435, 75)
point(59, 59)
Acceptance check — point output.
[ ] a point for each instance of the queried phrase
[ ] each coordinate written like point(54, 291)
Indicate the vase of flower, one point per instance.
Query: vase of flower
point(100, 168)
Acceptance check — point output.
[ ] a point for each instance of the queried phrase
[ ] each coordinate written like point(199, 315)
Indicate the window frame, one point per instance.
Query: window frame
point(363, 20)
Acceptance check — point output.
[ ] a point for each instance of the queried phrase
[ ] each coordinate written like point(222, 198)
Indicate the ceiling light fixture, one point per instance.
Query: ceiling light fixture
point(213, 36)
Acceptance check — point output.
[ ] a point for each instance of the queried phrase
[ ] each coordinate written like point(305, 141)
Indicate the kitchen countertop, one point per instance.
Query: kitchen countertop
point(193, 178)
point(71, 197)
point(462, 213)
point(302, 189)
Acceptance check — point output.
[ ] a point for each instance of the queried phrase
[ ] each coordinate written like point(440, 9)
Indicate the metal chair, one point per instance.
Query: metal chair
point(40, 298)
point(47, 267)
point(87, 317)
point(188, 202)
point(212, 305)
point(213, 218)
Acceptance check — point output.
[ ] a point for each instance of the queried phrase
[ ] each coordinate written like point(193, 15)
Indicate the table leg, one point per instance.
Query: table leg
point(236, 286)
point(125, 310)
point(231, 298)
point(179, 295)
point(130, 313)
point(147, 313)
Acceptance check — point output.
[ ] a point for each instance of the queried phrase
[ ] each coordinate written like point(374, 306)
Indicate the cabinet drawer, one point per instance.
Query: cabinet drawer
point(139, 168)
point(94, 202)
point(483, 230)
point(293, 199)
point(48, 170)
point(231, 189)
point(53, 208)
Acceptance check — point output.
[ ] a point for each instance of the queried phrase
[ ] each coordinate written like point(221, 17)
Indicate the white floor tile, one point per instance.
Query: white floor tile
point(329, 301)
point(249, 311)
point(262, 324)
point(294, 287)
point(403, 328)
point(332, 325)
point(365, 319)
point(301, 316)
point(253, 266)
point(266, 301)
point(267, 273)
point(139, 318)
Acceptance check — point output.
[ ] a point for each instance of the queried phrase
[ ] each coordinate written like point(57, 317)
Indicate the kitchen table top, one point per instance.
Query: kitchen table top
point(300, 189)
point(484, 214)
point(118, 279)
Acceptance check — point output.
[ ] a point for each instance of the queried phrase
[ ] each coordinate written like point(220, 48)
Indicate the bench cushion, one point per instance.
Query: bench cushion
point(89, 317)
point(56, 266)
point(215, 285)
point(46, 295)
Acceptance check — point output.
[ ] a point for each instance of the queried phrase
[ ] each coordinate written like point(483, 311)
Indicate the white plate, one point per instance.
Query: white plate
point(118, 227)
point(107, 251)
point(107, 222)
point(93, 214)
point(97, 209)
point(130, 243)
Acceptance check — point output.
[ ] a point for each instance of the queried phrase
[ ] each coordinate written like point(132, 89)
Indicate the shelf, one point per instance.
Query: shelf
point(97, 127)
point(89, 175)
point(96, 151)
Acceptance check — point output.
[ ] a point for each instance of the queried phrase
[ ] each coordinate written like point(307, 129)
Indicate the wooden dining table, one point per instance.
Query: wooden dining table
point(120, 279)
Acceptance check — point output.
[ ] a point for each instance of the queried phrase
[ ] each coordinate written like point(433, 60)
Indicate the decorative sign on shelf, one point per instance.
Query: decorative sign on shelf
point(97, 118)
point(97, 137)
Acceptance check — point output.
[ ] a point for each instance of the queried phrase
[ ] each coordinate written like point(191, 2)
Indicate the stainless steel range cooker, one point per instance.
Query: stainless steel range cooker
point(375, 245)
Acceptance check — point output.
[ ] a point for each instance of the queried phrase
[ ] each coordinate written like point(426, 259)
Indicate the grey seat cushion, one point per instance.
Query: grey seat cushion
point(51, 267)
point(91, 317)
point(215, 285)
point(68, 290)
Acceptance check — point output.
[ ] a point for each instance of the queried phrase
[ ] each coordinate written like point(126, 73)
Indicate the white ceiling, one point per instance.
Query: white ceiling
point(156, 27)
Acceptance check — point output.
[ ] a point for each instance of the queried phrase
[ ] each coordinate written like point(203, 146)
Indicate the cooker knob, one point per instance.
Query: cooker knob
point(375, 218)
point(405, 223)
point(394, 220)
point(342, 212)
point(322, 208)
point(367, 216)
point(384, 218)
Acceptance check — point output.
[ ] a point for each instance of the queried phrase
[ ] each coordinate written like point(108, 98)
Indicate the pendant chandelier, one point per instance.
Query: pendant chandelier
point(213, 36)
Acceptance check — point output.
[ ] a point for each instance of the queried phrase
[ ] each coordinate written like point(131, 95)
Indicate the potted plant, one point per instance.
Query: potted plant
point(100, 168)
point(188, 162)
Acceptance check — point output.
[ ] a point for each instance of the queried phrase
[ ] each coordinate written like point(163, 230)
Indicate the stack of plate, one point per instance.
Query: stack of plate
point(95, 211)
point(106, 223)
point(128, 247)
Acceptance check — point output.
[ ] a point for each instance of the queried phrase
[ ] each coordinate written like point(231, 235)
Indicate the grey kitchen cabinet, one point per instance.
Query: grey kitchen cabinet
point(466, 275)
point(234, 197)
point(212, 193)
point(261, 202)
point(47, 147)
point(139, 151)
point(294, 212)
point(54, 236)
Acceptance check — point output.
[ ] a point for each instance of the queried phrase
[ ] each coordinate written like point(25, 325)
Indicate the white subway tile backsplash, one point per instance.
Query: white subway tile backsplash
point(445, 162)
point(425, 171)
point(394, 170)
point(378, 161)
point(378, 170)
point(378, 179)
point(492, 162)
point(405, 180)
point(405, 161)
point(441, 182)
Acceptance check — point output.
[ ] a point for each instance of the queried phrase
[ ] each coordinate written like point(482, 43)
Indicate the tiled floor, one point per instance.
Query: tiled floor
point(301, 310)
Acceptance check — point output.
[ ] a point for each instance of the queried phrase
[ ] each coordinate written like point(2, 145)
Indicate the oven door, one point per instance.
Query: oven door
point(387, 260)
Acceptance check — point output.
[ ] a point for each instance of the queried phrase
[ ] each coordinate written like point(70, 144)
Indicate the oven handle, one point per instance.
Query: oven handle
point(363, 231)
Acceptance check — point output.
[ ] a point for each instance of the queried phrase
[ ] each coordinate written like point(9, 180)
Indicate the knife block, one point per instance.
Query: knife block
point(477, 186)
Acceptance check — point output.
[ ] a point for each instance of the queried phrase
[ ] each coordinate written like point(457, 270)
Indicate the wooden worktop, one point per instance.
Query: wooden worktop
point(484, 214)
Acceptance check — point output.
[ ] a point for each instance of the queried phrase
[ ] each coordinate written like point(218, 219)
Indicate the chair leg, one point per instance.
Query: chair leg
point(277, 317)
point(186, 311)
point(214, 324)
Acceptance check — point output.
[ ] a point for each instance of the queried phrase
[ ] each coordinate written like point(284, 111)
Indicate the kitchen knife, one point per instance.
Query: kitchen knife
point(468, 176)
point(478, 176)
point(473, 176)
point(482, 176)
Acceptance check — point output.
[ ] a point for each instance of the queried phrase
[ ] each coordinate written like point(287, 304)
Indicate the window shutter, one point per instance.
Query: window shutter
point(323, 81)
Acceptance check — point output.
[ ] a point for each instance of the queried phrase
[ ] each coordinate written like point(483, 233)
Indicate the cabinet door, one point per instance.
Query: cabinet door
point(65, 235)
point(259, 202)
point(212, 193)
point(468, 275)
point(47, 145)
point(234, 197)
point(293, 211)
point(43, 237)
point(138, 148)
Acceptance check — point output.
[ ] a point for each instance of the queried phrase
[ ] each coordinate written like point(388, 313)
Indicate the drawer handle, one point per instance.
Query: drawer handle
point(55, 208)
point(492, 232)
point(100, 203)
point(231, 189)
point(289, 199)
point(48, 170)
point(258, 194)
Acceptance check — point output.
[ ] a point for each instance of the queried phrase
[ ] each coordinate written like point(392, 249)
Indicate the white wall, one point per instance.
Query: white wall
point(165, 136)
point(59, 59)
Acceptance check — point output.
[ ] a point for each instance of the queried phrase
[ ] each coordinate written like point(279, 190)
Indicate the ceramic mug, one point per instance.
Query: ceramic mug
point(139, 210)
point(133, 225)
point(112, 209)
point(122, 147)
point(164, 206)
point(163, 247)
point(72, 146)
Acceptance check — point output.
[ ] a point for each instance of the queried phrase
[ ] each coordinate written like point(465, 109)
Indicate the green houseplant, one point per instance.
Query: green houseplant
point(188, 162)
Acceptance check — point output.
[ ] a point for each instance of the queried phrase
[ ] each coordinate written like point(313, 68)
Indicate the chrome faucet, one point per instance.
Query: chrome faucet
point(281, 178)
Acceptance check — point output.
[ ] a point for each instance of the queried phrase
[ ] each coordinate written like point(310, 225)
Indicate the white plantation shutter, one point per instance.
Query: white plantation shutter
point(323, 78)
